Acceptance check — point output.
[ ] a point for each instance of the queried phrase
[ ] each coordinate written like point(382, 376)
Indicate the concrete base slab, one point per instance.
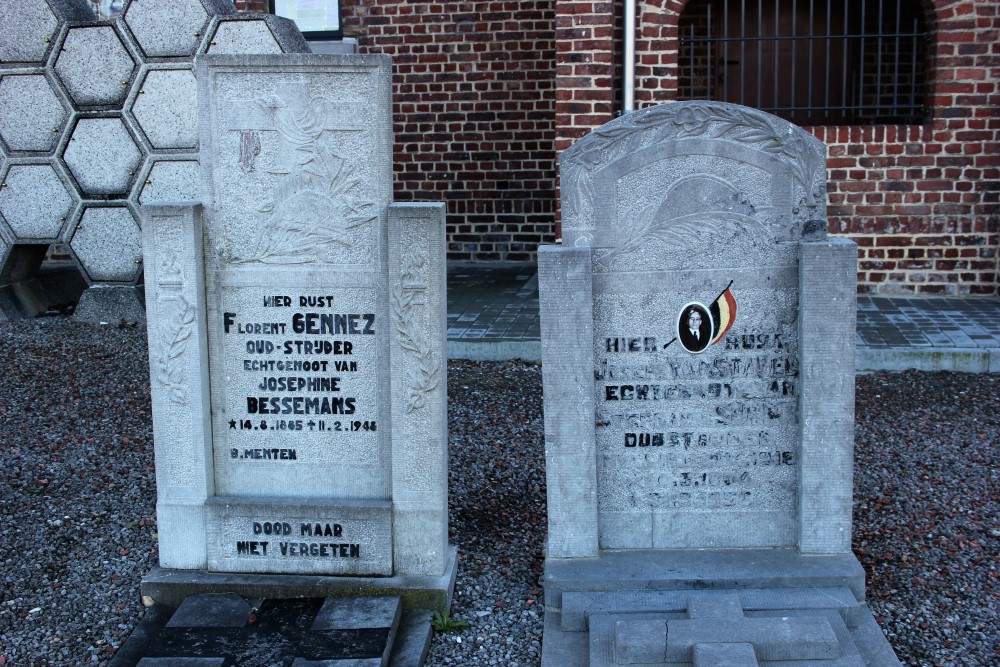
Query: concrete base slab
point(358, 621)
point(859, 647)
point(792, 610)
point(725, 655)
point(413, 640)
point(578, 607)
point(170, 587)
point(495, 350)
point(966, 360)
point(667, 569)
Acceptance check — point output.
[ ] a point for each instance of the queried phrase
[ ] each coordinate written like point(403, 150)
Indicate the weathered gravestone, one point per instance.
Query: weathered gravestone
point(698, 356)
point(297, 347)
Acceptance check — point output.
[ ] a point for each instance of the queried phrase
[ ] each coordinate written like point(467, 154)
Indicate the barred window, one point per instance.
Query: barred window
point(857, 62)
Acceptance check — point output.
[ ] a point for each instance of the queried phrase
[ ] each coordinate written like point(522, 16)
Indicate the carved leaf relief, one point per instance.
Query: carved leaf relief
point(169, 363)
point(408, 309)
point(695, 209)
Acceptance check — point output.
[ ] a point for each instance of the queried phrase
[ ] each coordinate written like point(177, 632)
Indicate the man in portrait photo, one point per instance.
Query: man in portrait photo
point(694, 327)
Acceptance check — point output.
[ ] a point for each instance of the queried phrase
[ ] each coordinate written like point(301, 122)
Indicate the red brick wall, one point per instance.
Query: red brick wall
point(251, 5)
point(586, 81)
point(920, 200)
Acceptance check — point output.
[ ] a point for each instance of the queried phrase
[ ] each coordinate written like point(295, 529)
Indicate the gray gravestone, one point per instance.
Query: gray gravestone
point(698, 356)
point(297, 342)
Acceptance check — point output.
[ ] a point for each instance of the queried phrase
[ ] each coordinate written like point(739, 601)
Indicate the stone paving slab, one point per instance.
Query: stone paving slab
point(493, 314)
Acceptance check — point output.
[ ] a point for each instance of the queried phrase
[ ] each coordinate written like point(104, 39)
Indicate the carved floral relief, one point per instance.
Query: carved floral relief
point(312, 207)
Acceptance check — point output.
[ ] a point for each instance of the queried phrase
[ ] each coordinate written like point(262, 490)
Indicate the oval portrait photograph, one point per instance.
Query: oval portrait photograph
point(694, 327)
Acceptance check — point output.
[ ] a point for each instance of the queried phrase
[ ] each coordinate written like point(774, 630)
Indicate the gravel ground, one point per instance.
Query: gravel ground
point(78, 528)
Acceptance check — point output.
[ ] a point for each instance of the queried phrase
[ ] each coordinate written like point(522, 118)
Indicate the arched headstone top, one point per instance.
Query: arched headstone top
point(745, 174)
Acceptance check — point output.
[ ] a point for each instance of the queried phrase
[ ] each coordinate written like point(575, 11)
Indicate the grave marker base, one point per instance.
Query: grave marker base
point(222, 629)
point(350, 610)
point(667, 608)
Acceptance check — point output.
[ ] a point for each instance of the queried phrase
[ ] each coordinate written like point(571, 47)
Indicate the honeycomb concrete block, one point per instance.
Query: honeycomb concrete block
point(106, 242)
point(264, 34)
point(165, 108)
point(102, 155)
point(39, 130)
point(170, 180)
point(35, 202)
point(29, 29)
point(108, 105)
point(95, 66)
point(173, 29)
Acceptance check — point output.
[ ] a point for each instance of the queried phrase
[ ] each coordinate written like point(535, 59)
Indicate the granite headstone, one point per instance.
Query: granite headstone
point(297, 343)
point(698, 359)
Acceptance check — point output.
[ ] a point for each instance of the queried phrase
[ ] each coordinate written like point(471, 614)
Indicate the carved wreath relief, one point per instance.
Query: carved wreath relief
point(408, 306)
point(312, 206)
point(179, 319)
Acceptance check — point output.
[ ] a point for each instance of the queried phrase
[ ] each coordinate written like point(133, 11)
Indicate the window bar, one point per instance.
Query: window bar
point(895, 63)
point(724, 70)
point(709, 93)
point(860, 99)
point(913, 70)
point(795, 53)
point(691, 52)
point(760, 46)
point(743, 50)
point(843, 78)
point(777, 44)
point(809, 59)
point(826, 81)
point(878, 62)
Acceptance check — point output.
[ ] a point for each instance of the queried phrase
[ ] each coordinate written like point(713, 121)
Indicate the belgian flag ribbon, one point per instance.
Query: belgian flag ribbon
point(723, 312)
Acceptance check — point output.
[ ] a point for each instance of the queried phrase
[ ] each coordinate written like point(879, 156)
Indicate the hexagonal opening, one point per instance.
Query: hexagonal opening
point(95, 66)
point(39, 279)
